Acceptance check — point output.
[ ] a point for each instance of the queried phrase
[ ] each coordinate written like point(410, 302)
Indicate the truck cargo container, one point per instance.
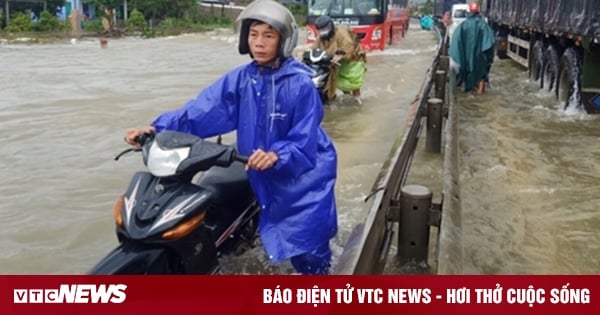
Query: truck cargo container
point(558, 41)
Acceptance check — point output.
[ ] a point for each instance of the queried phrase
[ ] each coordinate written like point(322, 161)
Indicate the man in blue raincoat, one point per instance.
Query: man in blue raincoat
point(472, 48)
point(277, 112)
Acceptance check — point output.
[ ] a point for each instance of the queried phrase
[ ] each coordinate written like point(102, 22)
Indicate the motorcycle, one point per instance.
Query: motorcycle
point(193, 205)
point(319, 61)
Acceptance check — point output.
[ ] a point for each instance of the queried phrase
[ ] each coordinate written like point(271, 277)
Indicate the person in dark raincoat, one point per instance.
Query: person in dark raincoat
point(277, 112)
point(472, 49)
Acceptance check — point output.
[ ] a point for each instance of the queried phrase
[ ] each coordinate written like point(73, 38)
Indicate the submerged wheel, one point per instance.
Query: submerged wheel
point(501, 45)
point(550, 69)
point(569, 79)
point(537, 61)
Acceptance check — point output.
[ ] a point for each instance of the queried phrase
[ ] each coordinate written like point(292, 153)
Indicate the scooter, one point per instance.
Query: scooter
point(319, 61)
point(193, 205)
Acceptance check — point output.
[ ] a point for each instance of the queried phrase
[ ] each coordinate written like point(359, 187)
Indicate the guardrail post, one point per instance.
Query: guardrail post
point(444, 63)
point(413, 232)
point(440, 84)
point(435, 112)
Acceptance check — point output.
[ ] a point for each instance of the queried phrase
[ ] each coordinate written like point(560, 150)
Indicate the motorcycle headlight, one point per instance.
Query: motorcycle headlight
point(165, 162)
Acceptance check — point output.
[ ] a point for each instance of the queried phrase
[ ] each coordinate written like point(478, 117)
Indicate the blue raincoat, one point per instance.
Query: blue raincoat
point(275, 110)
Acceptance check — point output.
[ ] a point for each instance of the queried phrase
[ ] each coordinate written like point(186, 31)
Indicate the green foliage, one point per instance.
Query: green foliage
point(169, 17)
point(47, 22)
point(105, 4)
point(213, 21)
point(94, 25)
point(35, 7)
point(160, 9)
point(20, 22)
point(428, 7)
point(299, 10)
point(175, 26)
point(136, 21)
point(148, 32)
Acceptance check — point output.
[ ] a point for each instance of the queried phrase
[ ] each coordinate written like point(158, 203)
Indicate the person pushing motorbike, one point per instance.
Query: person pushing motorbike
point(341, 42)
point(275, 109)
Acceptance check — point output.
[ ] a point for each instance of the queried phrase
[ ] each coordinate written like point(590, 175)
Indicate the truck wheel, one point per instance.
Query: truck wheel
point(501, 46)
point(536, 64)
point(569, 79)
point(550, 73)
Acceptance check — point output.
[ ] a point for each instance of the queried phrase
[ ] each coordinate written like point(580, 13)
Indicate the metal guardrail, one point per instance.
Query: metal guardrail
point(367, 249)
point(450, 246)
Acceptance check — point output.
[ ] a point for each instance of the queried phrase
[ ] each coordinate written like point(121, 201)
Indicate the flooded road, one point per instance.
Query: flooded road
point(529, 180)
point(64, 109)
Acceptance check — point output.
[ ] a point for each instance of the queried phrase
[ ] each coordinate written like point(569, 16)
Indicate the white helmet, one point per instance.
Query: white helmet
point(274, 14)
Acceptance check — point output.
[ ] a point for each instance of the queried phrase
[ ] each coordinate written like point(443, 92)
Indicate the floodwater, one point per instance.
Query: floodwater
point(529, 180)
point(64, 108)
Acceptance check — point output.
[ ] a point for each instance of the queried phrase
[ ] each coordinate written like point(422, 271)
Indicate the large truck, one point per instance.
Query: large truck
point(558, 41)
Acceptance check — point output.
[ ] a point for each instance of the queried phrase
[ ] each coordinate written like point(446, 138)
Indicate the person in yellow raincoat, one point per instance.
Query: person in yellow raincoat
point(340, 42)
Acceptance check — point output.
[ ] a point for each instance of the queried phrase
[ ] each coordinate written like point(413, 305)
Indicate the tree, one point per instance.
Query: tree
point(428, 7)
point(156, 9)
point(107, 7)
point(35, 7)
point(160, 9)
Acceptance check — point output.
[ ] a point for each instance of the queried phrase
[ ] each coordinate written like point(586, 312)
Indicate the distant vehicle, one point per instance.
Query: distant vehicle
point(458, 14)
point(441, 7)
point(377, 23)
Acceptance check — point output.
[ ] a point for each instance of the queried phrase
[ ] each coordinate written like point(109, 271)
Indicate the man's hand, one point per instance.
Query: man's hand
point(261, 160)
point(132, 133)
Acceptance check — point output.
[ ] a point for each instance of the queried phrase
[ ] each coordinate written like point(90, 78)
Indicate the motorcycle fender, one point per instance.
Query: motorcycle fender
point(133, 259)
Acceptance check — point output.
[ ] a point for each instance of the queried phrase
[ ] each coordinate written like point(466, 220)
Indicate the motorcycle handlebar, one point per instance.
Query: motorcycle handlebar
point(141, 139)
point(240, 158)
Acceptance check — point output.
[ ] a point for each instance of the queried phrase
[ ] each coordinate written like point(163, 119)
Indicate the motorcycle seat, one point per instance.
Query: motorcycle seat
point(229, 185)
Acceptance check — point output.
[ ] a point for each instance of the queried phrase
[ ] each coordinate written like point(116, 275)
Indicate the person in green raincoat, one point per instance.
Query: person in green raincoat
point(349, 76)
point(472, 49)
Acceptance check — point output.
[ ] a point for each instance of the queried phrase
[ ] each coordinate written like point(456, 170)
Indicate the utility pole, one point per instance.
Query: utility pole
point(6, 11)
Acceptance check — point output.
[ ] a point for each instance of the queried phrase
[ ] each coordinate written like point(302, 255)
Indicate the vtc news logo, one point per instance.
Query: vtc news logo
point(73, 293)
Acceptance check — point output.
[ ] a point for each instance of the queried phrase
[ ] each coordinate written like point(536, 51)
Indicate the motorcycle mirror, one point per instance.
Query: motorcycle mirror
point(126, 151)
